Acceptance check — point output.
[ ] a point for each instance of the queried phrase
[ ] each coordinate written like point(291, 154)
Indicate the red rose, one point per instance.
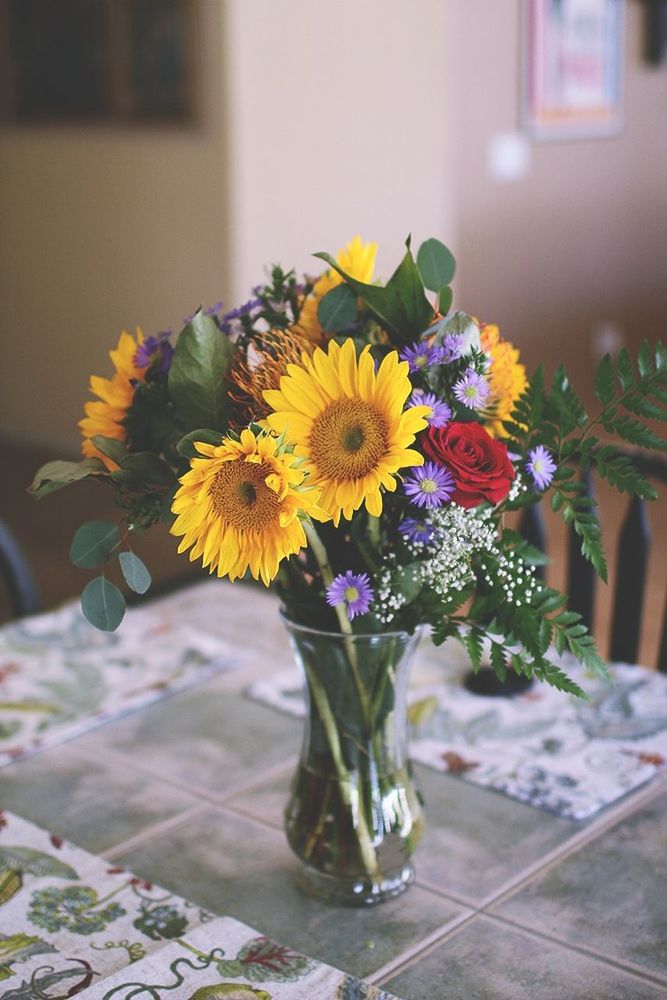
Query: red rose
point(479, 464)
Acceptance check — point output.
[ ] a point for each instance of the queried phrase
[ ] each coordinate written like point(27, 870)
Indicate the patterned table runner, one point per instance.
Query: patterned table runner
point(60, 677)
point(73, 925)
point(543, 747)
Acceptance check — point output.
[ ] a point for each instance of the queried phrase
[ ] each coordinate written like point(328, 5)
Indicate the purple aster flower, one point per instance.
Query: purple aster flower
point(440, 413)
point(452, 348)
point(429, 485)
point(155, 351)
point(472, 390)
point(353, 590)
point(417, 531)
point(541, 466)
point(420, 356)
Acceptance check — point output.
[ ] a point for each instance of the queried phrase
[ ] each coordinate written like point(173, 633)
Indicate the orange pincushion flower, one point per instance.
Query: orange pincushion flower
point(507, 378)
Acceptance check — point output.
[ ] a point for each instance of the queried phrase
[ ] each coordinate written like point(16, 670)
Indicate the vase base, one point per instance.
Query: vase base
point(354, 892)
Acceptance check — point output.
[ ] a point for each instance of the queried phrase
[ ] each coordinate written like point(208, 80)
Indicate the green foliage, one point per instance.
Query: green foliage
point(401, 305)
point(186, 445)
point(337, 310)
point(54, 475)
point(103, 604)
point(135, 572)
point(436, 264)
point(197, 375)
point(93, 542)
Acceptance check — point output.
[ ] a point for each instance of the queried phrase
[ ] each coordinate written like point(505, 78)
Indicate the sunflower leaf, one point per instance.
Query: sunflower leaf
point(186, 446)
point(401, 305)
point(337, 310)
point(197, 375)
point(54, 475)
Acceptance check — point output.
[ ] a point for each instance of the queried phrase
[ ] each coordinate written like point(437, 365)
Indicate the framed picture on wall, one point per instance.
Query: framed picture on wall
point(98, 61)
point(572, 70)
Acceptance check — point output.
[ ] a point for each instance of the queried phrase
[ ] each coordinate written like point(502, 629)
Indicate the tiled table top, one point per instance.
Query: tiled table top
point(510, 901)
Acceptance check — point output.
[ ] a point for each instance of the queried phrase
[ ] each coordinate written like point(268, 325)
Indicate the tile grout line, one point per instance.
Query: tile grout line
point(197, 791)
point(639, 971)
point(572, 845)
point(156, 830)
point(420, 949)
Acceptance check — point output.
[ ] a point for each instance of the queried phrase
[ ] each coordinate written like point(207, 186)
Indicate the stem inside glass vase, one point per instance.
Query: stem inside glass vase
point(354, 815)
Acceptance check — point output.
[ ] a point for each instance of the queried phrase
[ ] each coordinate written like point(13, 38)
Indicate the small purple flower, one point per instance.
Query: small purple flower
point(429, 485)
point(440, 413)
point(472, 390)
point(155, 351)
point(452, 348)
point(417, 531)
point(420, 356)
point(353, 590)
point(541, 466)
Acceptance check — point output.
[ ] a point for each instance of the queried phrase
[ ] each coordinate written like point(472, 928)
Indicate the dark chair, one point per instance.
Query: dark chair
point(16, 576)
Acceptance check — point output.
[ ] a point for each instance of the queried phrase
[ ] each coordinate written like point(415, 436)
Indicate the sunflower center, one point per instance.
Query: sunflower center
point(348, 439)
point(241, 497)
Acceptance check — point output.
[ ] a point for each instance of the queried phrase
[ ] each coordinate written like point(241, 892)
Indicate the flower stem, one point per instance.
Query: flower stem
point(328, 721)
point(322, 559)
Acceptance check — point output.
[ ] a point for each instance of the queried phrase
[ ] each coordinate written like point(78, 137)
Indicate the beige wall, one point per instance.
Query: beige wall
point(104, 229)
point(583, 239)
point(319, 121)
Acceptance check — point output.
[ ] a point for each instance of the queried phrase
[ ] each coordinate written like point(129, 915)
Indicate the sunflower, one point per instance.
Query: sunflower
point(238, 507)
point(105, 415)
point(358, 260)
point(506, 378)
point(348, 422)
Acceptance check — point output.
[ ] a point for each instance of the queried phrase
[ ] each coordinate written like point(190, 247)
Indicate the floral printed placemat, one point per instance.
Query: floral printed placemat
point(59, 676)
point(73, 925)
point(543, 747)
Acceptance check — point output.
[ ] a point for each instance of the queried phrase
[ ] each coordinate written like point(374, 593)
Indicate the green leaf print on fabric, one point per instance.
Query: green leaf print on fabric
point(73, 908)
point(15, 948)
point(160, 922)
point(261, 959)
point(15, 862)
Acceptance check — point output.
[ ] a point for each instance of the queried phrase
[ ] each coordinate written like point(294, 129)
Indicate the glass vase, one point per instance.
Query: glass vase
point(354, 816)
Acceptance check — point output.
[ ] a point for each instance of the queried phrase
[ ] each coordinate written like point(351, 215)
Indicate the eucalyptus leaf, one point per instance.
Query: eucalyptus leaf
point(436, 264)
point(54, 475)
point(135, 572)
point(337, 310)
point(202, 357)
point(186, 446)
point(103, 604)
point(92, 543)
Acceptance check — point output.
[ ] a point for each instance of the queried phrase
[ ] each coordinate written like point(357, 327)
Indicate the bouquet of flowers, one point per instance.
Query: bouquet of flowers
point(359, 445)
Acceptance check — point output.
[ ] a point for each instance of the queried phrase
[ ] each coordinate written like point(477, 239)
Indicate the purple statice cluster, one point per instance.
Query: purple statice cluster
point(155, 353)
point(231, 322)
point(352, 590)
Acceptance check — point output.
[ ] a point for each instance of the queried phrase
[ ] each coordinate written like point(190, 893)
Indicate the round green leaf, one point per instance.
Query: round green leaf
point(103, 604)
point(337, 310)
point(136, 575)
point(445, 299)
point(92, 543)
point(436, 264)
